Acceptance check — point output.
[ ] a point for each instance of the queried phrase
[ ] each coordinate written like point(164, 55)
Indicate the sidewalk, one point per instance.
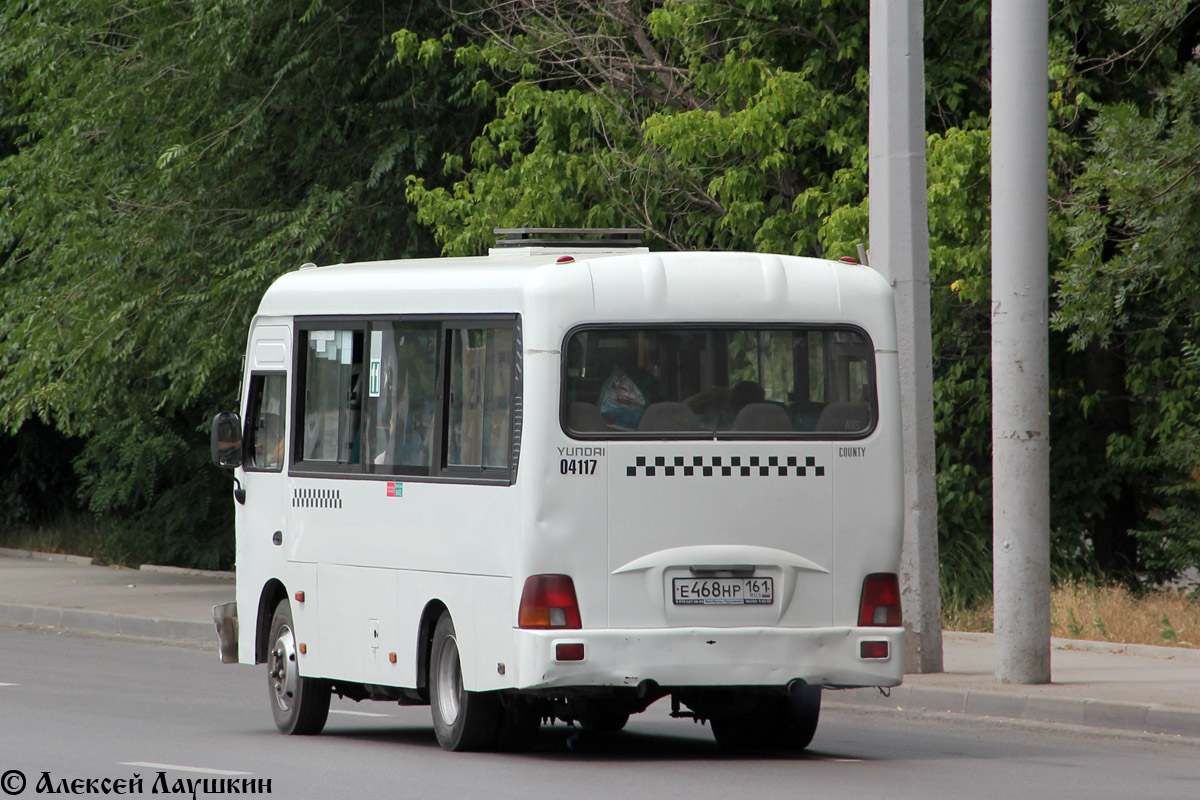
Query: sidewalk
point(1098, 684)
point(153, 602)
point(1113, 686)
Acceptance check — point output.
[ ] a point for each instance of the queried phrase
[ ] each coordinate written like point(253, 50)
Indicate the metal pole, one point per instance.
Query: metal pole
point(1020, 349)
point(899, 237)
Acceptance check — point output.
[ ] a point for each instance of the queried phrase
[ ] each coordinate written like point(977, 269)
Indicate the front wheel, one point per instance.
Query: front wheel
point(462, 720)
point(300, 705)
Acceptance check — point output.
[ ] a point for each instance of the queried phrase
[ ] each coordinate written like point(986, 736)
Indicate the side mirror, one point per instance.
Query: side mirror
point(227, 441)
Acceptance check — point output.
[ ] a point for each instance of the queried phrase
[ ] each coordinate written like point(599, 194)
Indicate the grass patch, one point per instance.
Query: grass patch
point(77, 534)
point(1105, 614)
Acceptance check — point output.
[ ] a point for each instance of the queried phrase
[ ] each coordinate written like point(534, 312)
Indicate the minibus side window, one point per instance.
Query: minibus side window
point(402, 396)
point(331, 397)
point(265, 415)
point(479, 398)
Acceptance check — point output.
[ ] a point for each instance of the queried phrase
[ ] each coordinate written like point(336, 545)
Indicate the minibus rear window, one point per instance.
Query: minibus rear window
point(728, 382)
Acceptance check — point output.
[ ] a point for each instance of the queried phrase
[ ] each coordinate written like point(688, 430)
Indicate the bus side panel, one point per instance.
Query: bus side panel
point(302, 577)
point(421, 525)
point(491, 651)
point(343, 618)
point(479, 605)
point(367, 614)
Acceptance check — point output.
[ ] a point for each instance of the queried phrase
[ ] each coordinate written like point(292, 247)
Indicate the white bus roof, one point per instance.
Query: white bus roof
point(627, 285)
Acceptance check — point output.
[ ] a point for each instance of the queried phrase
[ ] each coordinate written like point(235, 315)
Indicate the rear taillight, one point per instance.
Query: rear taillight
point(880, 604)
point(548, 601)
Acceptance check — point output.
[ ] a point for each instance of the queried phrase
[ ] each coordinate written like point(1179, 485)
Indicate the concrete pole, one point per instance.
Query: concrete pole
point(1020, 349)
point(899, 238)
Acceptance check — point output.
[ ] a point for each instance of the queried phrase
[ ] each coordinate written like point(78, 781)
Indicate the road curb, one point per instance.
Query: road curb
point(1092, 646)
point(108, 623)
point(1086, 712)
point(202, 573)
point(17, 552)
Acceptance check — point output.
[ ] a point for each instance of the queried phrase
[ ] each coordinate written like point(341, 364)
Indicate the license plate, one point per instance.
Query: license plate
point(723, 591)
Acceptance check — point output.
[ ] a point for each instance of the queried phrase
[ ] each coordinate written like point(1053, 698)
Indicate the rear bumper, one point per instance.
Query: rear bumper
point(710, 657)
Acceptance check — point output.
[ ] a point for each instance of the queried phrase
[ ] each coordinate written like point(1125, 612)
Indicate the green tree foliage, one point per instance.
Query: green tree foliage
point(163, 162)
point(37, 483)
point(681, 118)
point(1128, 289)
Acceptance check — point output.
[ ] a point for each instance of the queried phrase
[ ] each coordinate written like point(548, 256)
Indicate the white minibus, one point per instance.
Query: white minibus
point(564, 481)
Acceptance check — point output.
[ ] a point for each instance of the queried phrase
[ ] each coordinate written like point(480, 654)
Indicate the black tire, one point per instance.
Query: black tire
point(462, 720)
point(780, 722)
point(739, 732)
point(520, 723)
point(300, 705)
point(798, 722)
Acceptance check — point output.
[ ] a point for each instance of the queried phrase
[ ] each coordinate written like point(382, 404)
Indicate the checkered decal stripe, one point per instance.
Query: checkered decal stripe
point(723, 466)
point(316, 498)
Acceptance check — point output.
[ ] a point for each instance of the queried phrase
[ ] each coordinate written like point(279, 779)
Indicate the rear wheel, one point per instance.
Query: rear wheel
point(772, 722)
point(797, 724)
point(520, 722)
point(300, 705)
point(462, 720)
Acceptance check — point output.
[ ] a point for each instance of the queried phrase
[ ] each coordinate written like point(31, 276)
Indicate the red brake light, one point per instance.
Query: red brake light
point(880, 604)
point(548, 601)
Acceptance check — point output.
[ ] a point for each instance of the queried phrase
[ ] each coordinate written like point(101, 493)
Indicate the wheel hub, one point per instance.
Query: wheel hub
point(282, 668)
point(449, 678)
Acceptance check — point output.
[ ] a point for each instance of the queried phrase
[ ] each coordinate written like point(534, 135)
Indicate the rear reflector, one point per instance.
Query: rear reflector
point(548, 601)
point(570, 652)
point(880, 603)
point(873, 649)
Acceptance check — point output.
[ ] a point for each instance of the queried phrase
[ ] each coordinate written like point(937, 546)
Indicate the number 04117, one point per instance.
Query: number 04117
point(577, 466)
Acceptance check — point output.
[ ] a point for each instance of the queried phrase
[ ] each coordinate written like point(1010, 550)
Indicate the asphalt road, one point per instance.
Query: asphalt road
point(80, 708)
